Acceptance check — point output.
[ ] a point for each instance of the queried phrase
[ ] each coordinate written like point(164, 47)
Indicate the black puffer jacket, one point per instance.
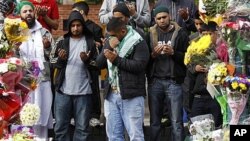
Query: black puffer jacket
point(131, 71)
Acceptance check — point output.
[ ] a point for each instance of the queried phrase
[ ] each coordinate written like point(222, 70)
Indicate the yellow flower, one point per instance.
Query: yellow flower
point(199, 47)
point(16, 30)
point(234, 85)
point(243, 86)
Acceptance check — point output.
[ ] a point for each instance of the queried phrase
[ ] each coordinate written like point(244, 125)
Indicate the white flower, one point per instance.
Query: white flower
point(30, 114)
point(15, 61)
point(3, 68)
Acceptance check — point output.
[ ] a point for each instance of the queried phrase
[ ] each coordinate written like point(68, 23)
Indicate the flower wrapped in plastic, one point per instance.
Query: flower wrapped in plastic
point(237, 96)
point(29, 114)
point(32, 76)
point(219, 93)
point(202, 127)
point(16, 30)
point(212, 10)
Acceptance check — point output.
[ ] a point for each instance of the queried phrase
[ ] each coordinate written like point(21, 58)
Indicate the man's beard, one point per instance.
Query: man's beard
point(30, 23)
point(165, 27)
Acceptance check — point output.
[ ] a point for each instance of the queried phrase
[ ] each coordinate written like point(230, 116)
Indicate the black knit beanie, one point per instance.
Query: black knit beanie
point(122, 7)
point(160, 9)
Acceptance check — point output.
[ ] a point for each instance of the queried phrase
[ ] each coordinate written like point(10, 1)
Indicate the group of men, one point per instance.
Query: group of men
point(132, 56)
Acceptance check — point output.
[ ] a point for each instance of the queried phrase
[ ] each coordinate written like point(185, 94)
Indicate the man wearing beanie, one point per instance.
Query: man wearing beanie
point(169, 43)
point(121, 11)
point(36, 50)
point(139, 12)
point(181, 12)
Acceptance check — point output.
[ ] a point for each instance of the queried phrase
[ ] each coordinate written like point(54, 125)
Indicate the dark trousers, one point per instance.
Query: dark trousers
point(96, 99)
point(207, 105)
point(188, 96)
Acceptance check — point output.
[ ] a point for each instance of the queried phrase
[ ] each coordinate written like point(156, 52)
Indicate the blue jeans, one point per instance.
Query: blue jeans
point(168, 90)
point(67, 105)
point(128, 113)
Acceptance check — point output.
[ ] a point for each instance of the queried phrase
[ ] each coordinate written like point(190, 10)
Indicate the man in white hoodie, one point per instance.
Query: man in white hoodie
point(139, 12)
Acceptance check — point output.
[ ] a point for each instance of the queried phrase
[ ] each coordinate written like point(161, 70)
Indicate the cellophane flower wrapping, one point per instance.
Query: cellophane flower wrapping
point(219, 93)
point(16, 29)
point(236, 102)
point(202, 127)
point(33, 75)
point(237, 89)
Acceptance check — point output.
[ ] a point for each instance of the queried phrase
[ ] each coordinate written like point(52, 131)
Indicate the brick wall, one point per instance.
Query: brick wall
point(64, 11)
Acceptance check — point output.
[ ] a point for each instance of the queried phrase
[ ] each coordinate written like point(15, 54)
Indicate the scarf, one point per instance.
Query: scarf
point(124, 49)
point(32, 50)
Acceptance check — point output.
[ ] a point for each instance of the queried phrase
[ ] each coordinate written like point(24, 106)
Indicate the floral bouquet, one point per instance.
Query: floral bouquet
point(212, 10)
point(237, 96)
point(216, 73)
point(32, 76)
point(212, 7)
point(20, 133)
point(29, 114)
point(198, 51)
point(216, 76)
point(202, 127)
point(15, 31)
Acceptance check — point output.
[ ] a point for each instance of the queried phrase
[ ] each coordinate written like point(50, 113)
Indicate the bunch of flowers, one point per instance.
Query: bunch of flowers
point(229, 32)
point(32, 76)
point(198, 50)
point(238, 84)
point(11, 64)
point(30, 114)
point(213, 7)
point(201, 127)
point(237, 95)
point(212, 10)
point(20, 133)
point(15, 31)
point(217, 73)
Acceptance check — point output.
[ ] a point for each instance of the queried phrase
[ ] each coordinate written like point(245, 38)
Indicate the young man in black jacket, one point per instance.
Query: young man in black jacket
point(96, 30)
point(125, 55)
point(72, 61)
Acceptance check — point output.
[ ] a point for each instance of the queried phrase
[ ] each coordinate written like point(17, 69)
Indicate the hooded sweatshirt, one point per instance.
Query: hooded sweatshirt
point(61, 64)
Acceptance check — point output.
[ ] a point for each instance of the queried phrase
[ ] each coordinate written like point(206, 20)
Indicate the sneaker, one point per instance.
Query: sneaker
point(94, 122)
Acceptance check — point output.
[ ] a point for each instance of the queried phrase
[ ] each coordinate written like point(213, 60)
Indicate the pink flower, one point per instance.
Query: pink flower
point(16, 61)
